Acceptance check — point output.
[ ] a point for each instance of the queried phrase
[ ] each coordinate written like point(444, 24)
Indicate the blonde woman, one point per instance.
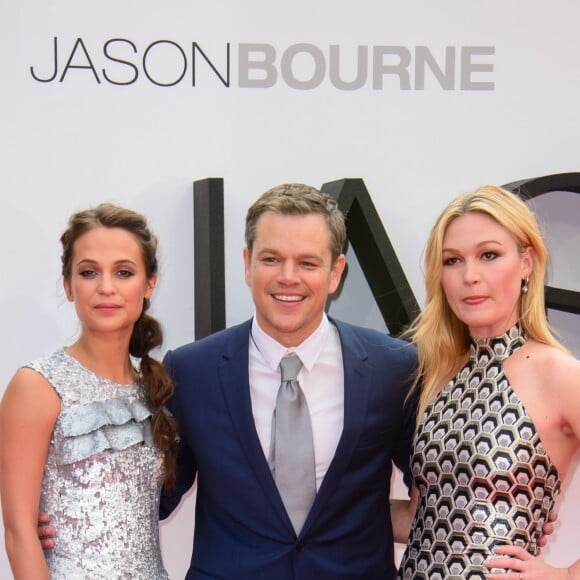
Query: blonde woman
point(499, 409)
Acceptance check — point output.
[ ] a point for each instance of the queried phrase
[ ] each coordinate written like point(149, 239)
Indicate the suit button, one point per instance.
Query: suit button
point(299, 546)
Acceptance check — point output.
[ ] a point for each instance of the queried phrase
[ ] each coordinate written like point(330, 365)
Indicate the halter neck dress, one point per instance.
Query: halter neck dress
point(484, 477)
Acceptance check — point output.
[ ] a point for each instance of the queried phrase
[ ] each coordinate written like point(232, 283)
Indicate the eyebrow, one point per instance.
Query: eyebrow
point(116, 263)
point(300, 256)
point(478, 245)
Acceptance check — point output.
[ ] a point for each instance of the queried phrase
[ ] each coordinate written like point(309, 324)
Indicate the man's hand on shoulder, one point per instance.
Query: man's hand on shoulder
point(547, 530)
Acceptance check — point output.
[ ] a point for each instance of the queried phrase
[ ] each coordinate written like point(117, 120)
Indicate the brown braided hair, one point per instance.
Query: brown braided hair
point(147, 333)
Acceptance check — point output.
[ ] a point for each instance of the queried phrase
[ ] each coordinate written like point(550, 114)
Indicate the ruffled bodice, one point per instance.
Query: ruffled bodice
point(483, 475)
point(102, 478)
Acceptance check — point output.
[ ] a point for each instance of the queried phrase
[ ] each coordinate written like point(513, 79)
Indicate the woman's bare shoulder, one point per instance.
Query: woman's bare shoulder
point(555, 368)
point(28, 387)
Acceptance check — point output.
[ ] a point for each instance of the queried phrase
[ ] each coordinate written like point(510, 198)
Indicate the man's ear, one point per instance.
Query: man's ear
point(247, 271)
point(336, 273)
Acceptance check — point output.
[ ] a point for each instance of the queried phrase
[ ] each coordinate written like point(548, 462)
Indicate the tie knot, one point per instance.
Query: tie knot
point(290, 366)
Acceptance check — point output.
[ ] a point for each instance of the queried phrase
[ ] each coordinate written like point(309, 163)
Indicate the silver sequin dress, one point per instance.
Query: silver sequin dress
point(483, 475)
point(102, 478)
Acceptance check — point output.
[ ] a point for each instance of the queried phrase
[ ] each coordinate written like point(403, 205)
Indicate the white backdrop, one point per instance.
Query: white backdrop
point(317, 91)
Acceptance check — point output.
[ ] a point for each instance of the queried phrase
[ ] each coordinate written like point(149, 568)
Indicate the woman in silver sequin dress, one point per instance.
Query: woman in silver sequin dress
point(499, 409)
point(83, 432)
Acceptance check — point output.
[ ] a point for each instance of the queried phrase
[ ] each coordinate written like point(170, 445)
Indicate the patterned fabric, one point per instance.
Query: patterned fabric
point(102, 478)
point(483, 475)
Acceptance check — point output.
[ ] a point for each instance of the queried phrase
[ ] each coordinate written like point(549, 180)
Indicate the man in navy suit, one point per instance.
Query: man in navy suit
point(355, 382)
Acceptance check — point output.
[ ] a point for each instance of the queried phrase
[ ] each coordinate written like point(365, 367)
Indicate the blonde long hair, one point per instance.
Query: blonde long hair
point(440, 336)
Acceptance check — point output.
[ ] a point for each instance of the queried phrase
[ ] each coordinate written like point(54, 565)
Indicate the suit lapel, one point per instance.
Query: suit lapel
point(357, 382)
point(236, 391)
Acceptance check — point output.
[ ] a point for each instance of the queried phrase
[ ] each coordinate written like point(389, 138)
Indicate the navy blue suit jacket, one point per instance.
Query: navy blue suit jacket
point(241, 527)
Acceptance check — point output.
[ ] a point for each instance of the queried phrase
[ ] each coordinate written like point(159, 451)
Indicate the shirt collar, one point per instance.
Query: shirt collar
point(308, 350)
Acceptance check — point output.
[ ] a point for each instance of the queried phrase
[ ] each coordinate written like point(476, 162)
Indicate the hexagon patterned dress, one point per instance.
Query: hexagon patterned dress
point(483, 475)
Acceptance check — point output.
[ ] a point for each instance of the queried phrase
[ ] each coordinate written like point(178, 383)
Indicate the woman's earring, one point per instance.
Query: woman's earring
point(525, 285)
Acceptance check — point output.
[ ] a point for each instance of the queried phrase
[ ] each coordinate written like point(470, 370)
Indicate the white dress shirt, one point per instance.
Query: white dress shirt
point(321, 378)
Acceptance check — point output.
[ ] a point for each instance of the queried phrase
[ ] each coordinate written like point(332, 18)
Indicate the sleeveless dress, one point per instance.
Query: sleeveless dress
point(102, 478)
point(483, 475)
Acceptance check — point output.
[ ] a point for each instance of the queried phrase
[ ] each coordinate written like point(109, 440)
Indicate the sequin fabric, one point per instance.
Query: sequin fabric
point(483, 475)
point(102, 478)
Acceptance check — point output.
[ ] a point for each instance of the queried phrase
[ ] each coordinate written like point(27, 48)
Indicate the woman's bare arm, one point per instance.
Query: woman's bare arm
point(28, 412)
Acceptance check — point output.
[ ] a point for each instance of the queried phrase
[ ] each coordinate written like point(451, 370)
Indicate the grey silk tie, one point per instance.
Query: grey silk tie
point(292, 449)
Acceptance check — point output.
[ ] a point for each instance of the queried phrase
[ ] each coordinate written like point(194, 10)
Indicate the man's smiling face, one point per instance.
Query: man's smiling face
point(291, 274)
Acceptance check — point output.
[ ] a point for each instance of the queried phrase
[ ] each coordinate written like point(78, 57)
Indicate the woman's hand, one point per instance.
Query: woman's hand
point(520, 565)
